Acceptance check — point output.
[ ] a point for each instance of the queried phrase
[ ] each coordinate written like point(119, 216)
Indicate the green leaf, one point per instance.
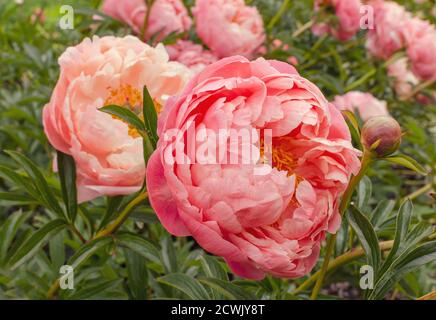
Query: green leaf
point(150, 117)
point(352, 120)
point(32, 244)
point(19, 180)
point(227, 289)
point(212, 267)
point(38, 180)
point(409, 262)
point(140, 245)
point(94, 290)
point(169, 256)
point(125, 115)
point(186, 284)
point(402, 226)
point(113, 205)
point(8, 230)
point(67, 175)
point(57, 250)
point(12, 198)
point(381, 211)
point(364, 192)
point(367, 237)
point(136, 274)
point(407, 162)
point(87, 250)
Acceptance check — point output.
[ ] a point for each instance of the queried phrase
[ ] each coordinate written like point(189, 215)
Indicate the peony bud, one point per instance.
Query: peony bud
point(381, 135)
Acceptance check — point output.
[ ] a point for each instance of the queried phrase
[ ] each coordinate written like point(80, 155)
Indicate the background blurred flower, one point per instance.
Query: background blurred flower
point(387, 36)
point(272, 223)
point(362, 102)
point(347, 13)
point(99, 72)
point(422, 54)
point(404, 78)
point(166, 16)
point(229, 27)
point(191, 55)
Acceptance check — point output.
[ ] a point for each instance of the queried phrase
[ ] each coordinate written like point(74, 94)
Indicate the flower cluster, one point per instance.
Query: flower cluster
point(226, 27)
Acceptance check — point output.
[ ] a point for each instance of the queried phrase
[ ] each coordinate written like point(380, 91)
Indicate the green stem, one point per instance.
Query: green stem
point(339, 261)
point(278, 15)
point(418, 192)
point(112, 227)
point(346, 198)
point(303, 28)
point(148, 4)
point(77, 233)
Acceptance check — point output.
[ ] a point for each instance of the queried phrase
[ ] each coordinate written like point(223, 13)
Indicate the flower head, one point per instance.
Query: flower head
point(229, 27)
point(262, 217)
point(96, 73)
point(166, 16)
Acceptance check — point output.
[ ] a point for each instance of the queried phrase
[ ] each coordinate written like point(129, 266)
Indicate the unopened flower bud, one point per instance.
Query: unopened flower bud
point(381, 135)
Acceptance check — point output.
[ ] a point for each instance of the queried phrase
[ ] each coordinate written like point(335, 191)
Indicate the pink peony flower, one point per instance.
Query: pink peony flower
point(99, 72)
point(387, 36)
point(415, 28)
point(362, 102)
point(166, 16)
point(404, 79)
point(229, 27)
point(348, 14)
point(422, 54)
point(270, 222)
point(191, 55)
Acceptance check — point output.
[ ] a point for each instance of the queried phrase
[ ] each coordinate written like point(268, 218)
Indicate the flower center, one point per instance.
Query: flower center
point(281, 154)
point(130, 98)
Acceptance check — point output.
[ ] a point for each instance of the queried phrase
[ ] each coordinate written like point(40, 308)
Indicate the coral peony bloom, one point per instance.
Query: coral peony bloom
point(166, 16)
point(404, 79)
point(99, 72)
point(348, 14)
point(270, 221)
point(229, 27)
point(387, 36)
point(191, 55)
point(362, 102)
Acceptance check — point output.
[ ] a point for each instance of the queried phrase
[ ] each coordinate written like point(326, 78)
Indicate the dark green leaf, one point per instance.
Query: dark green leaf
point(94, 290)
point(125, 115)
point(367, 237)
point(186, 284)
point(38, 180)
point(136, 274)
point(140, 245)
point(32, 244)
point(67, 175)
point(227, 289)
point(150, 117)
point(402, 226)
point(364, 192)
point(381, 211)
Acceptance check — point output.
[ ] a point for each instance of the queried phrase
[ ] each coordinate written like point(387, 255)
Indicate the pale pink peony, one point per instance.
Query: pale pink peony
point(260, 223)
point(422, 54)
point(98, 72)
point(166, 16)
point(191, 55)
point(229, 27)
point(387, 36)
point(404, 78)
point(348, 15)
point(363, 103)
